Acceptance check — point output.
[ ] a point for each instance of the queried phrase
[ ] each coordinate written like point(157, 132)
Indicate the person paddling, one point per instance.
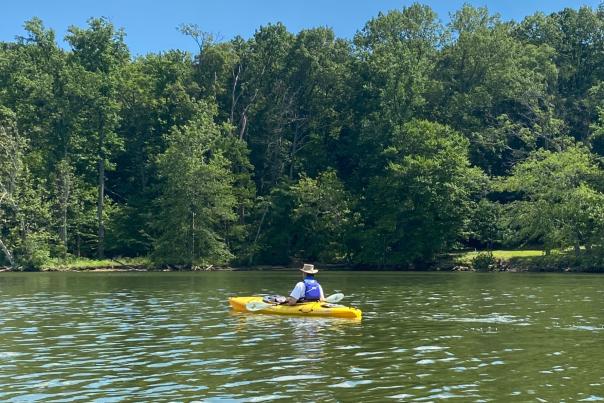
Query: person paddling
point(307, 290)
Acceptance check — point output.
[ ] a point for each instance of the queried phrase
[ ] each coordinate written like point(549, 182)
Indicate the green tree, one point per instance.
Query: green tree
point(39, 86)
point(486, 223)
point(494, 89)
point(398, 53)
point(419, 204)
point(560, 204)
point(596, 137)
point(577, 36)
point(197, 199)
point(34, 88)
point(157, 93)
point(11, 151)
point(395, 57)
point(24, 213)
point(322, 218)
point(98, 54)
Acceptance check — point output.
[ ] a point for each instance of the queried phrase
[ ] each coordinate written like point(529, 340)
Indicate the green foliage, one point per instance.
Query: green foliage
point(156, 95)
point(99, 48)
point(596, 138)
point(398, 53)
point(577, 37)
point(486, 223)
point(494, 89)
point(559, 204)
point(33, 251)
point(23, 208)
point(484, 262)
point(272, 242)
point(197, 198)
point(322, 218)
point(418, 206)
point(284, 146)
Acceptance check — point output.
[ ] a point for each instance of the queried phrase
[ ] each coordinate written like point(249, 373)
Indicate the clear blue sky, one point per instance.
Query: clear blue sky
point(151, 24)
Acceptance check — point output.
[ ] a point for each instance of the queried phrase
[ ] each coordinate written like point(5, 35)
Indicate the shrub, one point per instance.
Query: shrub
point(484, 262)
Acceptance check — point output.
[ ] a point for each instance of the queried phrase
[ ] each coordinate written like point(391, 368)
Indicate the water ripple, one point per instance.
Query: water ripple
point(424, 337)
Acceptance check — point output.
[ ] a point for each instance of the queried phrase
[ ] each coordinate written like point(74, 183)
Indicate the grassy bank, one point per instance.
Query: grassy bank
point(505, 255)
point(526, 260)
point(84, 264)
point(499, 260)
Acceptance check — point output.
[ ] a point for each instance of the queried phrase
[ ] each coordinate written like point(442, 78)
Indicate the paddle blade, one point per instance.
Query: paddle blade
point(256, 306)
point(334, 298)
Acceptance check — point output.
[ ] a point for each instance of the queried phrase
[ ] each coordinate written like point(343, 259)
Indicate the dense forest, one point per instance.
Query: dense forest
point(411, 139)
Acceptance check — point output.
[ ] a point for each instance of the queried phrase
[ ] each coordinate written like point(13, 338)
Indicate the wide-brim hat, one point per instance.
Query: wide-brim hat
point(309, 269)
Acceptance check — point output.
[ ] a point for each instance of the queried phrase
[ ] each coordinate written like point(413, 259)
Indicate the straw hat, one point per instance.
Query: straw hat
point(309, 269)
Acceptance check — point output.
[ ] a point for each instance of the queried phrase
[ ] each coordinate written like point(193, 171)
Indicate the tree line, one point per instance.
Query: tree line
point(411, 139)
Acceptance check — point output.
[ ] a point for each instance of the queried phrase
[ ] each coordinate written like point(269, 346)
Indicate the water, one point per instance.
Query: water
point(109, 337)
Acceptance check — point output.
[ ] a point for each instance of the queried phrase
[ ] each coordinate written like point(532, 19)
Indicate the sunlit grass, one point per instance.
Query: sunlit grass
point(466, 257)
point(84, 263)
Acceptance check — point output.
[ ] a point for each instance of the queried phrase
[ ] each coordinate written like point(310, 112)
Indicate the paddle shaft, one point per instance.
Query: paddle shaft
point(258, 305)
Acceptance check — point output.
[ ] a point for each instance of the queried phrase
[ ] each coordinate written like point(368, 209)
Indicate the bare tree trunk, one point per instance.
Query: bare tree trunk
point(243, 126)
point(192, 238)
point(65, 195)
point(243, 118)
point(233, 97)
point(8, 255)
point(64, 231)
point(78, 243)
point(293, 154)
point(101, 200)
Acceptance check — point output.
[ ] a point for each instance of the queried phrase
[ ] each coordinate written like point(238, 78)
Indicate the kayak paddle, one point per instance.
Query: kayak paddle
point(334, 298)
point(258, 305)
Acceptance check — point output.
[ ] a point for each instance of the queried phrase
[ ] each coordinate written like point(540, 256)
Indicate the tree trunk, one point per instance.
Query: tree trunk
point(78, 243)
point(192, 238)
point(64, 231)
point(101, 200)
point(65, 190)
point(233, 97)
point(293, 155)
point(243, 126)
point(8, 255)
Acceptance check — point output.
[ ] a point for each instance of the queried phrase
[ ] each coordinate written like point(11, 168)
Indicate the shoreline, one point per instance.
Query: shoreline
point(440, 269)
point(512, 261)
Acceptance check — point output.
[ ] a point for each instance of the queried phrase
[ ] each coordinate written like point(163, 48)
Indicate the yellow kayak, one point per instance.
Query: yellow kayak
point(321, 309)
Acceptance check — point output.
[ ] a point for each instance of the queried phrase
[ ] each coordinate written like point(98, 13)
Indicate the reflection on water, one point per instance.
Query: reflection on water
point(424, 337)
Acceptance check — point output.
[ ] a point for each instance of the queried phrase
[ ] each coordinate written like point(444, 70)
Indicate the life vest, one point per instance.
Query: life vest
point(312, 290)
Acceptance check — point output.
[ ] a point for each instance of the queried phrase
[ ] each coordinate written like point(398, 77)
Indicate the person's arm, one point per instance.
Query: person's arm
point(322, 295)
point(296, 294)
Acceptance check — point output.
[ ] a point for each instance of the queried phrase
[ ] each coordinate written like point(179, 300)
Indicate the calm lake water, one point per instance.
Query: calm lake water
point(424, 337)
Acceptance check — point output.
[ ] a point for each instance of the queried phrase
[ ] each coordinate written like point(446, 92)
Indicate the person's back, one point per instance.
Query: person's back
point(308, 289)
